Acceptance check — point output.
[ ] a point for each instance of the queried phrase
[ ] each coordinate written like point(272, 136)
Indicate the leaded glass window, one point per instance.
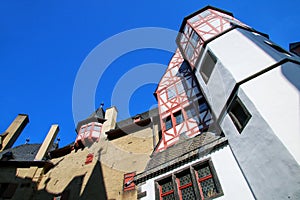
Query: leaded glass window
point(167, 189)
point(198, 181)
point(206, 181)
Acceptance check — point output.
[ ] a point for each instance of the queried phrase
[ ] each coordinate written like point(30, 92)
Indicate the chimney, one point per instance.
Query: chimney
point(47, 144)
point(8, 138)
point(111, 118)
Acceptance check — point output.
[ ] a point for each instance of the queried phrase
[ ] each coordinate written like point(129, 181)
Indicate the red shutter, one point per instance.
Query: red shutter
point(128, 181)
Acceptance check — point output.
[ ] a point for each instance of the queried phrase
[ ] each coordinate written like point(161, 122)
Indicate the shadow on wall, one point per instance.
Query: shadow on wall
point(13, 187)
point(292, 73)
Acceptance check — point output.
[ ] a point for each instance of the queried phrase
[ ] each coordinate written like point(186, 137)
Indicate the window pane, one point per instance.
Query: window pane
point(202, 107)
point(188, 193)
point(194, 39)
point(239, 114)
point(180, 88)
point(205, 13)
point(89, 127)
point(179, 117)
point(203, 172)
point(168, 123)
point(207, 66)
point(190, 112)
point(208, 188)
point(169, 197)
point(189, 51)
point(96, 128)
point(185, 179)
point(82, 130)
point(167, 186)
point(171, 92)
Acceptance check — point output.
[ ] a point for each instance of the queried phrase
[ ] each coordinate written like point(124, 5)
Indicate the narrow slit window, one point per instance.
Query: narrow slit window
point(239, 114)
point(207, 66)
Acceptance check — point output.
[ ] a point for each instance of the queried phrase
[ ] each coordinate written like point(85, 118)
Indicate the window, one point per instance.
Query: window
point(190, 111)
point(89, 127)
point(206, 182)
point(198, 181)
point(185, 186)
point(168, 123)
point(166, 189)
point(194, 39)
point(207, 66)
point(7, 190)
point(171, 92)
point(239, 114)
point(97, 128)
point(178, 116)
point(180, 88)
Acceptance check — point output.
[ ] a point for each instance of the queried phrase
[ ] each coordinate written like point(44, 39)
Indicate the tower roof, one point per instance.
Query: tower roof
point(97, 116)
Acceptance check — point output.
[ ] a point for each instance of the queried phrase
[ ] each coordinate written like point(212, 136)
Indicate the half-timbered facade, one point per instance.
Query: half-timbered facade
point(182, 108)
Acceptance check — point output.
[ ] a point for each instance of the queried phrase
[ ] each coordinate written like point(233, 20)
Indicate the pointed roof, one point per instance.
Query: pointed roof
point(97, 116)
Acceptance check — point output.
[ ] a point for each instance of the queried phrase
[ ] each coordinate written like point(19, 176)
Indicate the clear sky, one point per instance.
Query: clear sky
point(43, 45)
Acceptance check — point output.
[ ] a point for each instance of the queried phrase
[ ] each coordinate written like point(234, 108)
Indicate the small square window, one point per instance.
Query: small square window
point(239, 114)
point(178, 116)
point(207, 66)
point(168, 123)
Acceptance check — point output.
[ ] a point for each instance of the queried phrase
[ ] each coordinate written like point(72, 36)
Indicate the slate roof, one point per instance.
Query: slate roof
point(99, 113)
point(184, 151)
point(144, 115)
point(25, 152)
point(97, 116)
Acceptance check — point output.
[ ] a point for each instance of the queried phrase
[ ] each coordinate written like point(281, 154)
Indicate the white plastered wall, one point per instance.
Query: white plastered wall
point(276, 96)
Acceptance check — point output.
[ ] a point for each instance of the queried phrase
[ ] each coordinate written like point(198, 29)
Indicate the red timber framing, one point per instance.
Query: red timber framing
point(182, 107)
point(200, 28)
point(89, 133)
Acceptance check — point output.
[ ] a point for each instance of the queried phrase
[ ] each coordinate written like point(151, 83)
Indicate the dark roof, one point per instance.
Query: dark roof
point(143, 116)
point(182, 152)
point(96, 116)
point(99, 113)
point(25, 152)
point(128, 126)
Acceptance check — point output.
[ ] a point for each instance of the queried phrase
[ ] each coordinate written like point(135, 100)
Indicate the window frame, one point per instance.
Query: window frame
point(176, 115)
point(169, 120)
point(192, 170)
point(205, 70)
point(240, 125)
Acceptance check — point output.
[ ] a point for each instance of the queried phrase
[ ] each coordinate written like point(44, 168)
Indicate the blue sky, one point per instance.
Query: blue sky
point(44, 43)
